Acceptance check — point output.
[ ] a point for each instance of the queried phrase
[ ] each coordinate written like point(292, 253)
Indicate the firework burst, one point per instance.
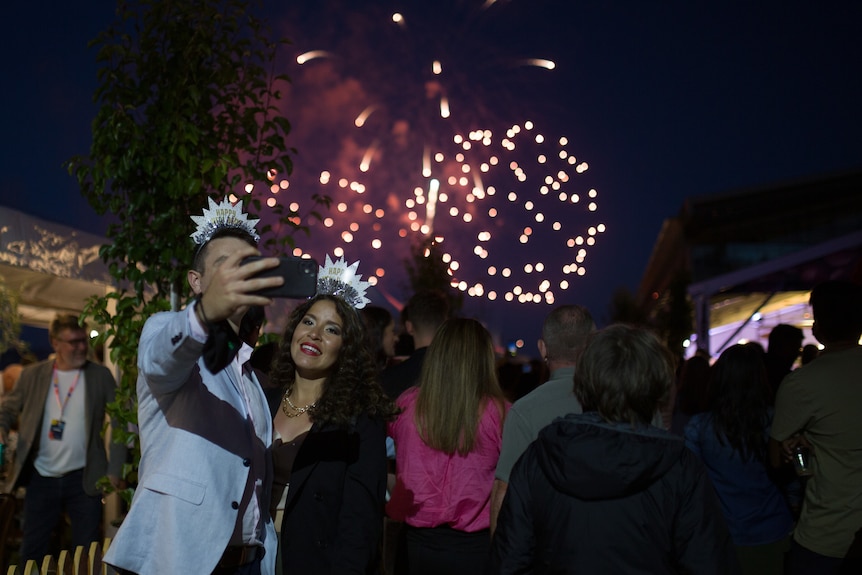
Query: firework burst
point(401, 121)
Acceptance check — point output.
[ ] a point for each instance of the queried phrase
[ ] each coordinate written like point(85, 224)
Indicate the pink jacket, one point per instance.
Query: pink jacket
point(433, 488)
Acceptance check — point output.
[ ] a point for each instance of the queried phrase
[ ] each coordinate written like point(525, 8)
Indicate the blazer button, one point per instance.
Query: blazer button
point(321, 544)
point(318, 496)
point(246, 462)
point(234, 505)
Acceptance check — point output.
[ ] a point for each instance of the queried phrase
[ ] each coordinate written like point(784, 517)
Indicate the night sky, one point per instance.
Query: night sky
point(663, 100)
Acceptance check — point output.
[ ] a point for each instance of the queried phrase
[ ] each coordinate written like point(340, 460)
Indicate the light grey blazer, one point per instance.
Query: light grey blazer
point(195, 449)
point(26, 403)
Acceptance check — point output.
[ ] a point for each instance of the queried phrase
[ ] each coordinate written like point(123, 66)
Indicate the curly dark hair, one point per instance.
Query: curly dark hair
point(351, 387)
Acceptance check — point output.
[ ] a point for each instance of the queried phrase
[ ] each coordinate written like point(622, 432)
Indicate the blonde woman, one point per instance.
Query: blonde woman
point(447, 442)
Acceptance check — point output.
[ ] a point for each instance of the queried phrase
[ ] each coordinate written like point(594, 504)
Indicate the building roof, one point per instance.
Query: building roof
point(770, 232)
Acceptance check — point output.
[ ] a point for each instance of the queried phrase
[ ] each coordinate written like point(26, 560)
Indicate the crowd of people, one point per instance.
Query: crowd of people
point(325, 454)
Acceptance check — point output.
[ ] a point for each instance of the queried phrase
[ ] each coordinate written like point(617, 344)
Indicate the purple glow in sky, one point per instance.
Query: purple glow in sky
point(662, 100)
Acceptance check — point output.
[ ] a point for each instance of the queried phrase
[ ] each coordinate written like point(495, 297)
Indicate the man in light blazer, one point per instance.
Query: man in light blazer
point(201, 504)
point(59, 405)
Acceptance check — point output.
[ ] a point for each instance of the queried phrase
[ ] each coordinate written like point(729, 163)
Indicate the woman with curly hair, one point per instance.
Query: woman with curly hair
point(731, 439)
point(329, 453)
point(447, 443)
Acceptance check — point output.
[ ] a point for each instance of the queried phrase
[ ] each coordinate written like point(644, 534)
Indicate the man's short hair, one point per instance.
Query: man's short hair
point(427, 310)
point(201, 253)
point(837, 307)
point(65, 321)
point(624, 373)
point(565, 332)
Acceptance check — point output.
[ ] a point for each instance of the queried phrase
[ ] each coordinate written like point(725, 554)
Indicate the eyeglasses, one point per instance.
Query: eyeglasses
point(74, 342)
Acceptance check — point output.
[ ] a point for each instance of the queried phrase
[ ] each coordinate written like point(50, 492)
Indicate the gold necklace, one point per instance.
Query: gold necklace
point(297, 411)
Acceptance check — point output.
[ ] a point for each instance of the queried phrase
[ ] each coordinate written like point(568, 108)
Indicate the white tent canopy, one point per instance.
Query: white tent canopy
point(53, 268)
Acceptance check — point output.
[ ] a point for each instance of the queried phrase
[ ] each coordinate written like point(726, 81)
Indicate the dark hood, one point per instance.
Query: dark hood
point(590, 459)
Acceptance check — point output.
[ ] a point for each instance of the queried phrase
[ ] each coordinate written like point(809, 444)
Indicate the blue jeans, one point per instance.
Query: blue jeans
point(44, 503)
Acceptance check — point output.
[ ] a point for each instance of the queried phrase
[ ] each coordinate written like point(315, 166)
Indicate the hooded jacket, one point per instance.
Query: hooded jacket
point(595, 497)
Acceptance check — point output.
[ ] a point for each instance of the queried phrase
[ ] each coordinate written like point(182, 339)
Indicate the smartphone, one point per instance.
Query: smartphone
point(300, 277)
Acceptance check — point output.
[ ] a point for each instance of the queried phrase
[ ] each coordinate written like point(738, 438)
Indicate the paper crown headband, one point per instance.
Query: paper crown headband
point(338, 278)
point(220, 217)
point(334, 278)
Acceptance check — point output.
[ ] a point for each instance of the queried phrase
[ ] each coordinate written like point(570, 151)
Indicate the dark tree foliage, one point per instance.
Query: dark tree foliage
point(187, 96)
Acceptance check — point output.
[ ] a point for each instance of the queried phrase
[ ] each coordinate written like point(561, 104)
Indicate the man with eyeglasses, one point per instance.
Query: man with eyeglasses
point(59, 405)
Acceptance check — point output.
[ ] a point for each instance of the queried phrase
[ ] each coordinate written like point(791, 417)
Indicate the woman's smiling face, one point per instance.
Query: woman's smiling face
point(317, 340)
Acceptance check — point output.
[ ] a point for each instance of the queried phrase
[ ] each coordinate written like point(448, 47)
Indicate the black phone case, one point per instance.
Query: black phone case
point(300, 277)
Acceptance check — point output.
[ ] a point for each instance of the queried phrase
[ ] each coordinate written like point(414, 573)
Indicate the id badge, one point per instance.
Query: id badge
point(56, 431)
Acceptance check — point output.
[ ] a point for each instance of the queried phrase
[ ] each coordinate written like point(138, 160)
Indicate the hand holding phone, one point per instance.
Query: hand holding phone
point(300, 277)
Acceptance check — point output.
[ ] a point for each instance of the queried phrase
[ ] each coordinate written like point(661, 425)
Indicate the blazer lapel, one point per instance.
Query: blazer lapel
point(304, 464)
point(43, 383)
point(223, 385)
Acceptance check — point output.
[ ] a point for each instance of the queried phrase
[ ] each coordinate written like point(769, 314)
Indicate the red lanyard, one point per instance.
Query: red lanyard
point(68, 394)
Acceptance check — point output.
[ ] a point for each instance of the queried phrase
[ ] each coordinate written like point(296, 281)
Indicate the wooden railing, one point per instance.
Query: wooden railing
point(79, 562)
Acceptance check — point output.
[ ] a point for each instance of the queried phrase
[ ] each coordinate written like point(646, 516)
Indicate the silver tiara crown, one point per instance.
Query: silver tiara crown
point(338, 278)
point(220, 217)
